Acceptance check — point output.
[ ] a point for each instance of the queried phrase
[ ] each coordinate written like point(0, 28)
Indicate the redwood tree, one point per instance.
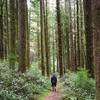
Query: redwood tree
point(46, 39)
point(1, 30)
point(12, 34)
point(22, 34)
point(42, 31)
point(59, 38)
point(96, 11)
point(78, 35)
point(89, 35)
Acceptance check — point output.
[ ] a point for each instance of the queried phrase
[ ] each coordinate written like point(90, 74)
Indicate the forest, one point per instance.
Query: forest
point(44, 38)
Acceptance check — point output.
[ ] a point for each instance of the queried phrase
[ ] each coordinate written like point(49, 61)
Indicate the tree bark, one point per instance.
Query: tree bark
point(96, 14)
point(42, 32)
point(89, 36)
point(12, 55)
point(78, 35)
point(59, 37)
point(22, 35)
point(27, 38)
point(1, 30)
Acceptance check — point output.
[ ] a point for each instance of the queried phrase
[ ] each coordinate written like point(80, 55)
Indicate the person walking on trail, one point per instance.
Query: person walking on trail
point(54, 82)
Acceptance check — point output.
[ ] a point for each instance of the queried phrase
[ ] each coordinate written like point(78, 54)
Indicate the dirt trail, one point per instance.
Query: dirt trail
point(54, 96)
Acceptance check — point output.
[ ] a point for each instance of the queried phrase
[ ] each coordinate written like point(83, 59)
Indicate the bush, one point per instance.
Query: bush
point(17, 86)
point(79, 86)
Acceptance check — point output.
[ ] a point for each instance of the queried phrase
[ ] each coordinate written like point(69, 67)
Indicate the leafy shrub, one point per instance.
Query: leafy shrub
point(17, 86)
point(79, 86)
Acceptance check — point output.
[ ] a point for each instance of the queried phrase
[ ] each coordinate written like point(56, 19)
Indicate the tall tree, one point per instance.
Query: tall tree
point(27, 38)
point(1, 29)
point(75, 39)
point(16, 20)
point(22, 34)
point(42, 31)
point(96, 13)
point(46, 38)
point(71, 38)
point(53, 33)
point(82, 34)
point(6, 29)
point(89, 35)
point(67, 36)
point(59, 37)
point(12, 34)
point(78, 35)
point(38, 41)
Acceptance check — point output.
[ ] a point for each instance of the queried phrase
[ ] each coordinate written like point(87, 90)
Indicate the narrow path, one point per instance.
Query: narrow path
point(54, 95)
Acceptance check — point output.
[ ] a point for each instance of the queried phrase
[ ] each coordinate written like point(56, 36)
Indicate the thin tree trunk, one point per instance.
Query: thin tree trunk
point(75, 40)
point(16, 19)
point(38, 43)
point(5, 29)
point(78, 35)
point(42, 44)
point(27, 39)
point(67, 38)
point(1, 30)
point(53, 51)
point(82, 34)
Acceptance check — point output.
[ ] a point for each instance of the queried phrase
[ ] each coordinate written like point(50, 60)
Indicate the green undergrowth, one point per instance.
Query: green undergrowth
point(44, 94)
point(78, 86)
point(18, 86)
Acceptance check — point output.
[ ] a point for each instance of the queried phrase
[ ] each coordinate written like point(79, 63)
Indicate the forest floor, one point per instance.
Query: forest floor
point(54, 95)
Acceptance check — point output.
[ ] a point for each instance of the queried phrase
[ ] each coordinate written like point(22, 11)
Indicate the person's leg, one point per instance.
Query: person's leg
point(53, 88)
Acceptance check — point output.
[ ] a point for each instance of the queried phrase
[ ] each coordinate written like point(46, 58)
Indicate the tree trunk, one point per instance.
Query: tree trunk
point(67, 37)
point(78, 35)
point(89, 36)
point(75, 40)
point(42, 32)
point(96, 13)
point(1, 30)
point(47, 40)
point(12, 56)
point(71, 38)
point(53, 33)
point(59, 37)
point(22, 34)
point(27, 39)
point(81, 34)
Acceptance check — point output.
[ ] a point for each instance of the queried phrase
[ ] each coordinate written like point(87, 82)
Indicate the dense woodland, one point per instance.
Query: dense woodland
point(49, 36)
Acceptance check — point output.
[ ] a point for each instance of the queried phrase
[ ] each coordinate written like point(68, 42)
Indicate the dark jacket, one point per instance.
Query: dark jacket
point(54, 79)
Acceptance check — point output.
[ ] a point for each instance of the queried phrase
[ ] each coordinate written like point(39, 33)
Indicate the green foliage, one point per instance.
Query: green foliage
point(78, 86)
point(17, 86)
point(83, 81)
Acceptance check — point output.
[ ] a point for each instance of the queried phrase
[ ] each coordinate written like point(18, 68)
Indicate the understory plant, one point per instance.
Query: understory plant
point(18, 86)
point(78, 86)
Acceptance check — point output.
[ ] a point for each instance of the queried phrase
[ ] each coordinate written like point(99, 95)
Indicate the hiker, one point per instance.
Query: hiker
point(54, 82)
